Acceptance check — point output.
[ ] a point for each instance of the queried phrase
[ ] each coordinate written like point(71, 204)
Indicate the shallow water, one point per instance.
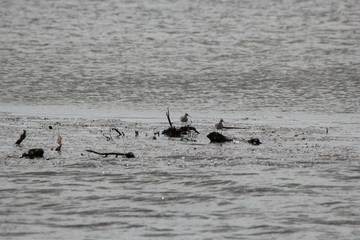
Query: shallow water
point(300, 183)
point(212, 56)
point(287, 70)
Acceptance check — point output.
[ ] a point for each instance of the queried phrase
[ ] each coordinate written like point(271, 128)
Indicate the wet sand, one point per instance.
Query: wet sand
point(282, 145)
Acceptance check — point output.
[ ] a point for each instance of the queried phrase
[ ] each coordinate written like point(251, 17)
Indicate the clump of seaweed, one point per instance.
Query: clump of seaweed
point(34, 153)
point(175, 132)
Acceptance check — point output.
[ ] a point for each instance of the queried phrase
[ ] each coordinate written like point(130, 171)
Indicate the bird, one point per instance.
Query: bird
point(184, 119)
point(219, 125)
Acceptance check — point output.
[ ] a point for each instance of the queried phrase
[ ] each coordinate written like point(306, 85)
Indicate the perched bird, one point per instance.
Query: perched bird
point(219, 125)
point(184, 119)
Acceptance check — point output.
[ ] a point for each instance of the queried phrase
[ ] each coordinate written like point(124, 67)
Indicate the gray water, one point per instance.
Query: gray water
point(286, 69)
point(225, 56)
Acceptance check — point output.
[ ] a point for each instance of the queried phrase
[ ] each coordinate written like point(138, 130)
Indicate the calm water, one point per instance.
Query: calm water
point(197, 55)
point(285, 68)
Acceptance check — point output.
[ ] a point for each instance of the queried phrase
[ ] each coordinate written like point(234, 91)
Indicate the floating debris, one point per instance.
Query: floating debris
point(34, 153)
point(254, 141)
point(128, 155)
point(59, 144)
point(22, 137)
point(178, 132)
point(216, 137)
point(172, 131)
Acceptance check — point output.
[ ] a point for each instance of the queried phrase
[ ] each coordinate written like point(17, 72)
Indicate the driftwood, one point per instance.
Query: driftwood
point(172, 131)
point(118, 132)
point(224, 127)
point(178, 132)
point(22, 137)
point(34, 153)
point(109, 137)
point(128, 155)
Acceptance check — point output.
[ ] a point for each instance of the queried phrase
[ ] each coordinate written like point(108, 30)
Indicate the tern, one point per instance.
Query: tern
point(184, 119)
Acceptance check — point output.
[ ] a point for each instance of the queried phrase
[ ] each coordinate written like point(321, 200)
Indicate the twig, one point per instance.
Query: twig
point(59, 144)
point(108, 138)
point(168, 117)
point(235, 127)
point(118, 132)
point(128, 155)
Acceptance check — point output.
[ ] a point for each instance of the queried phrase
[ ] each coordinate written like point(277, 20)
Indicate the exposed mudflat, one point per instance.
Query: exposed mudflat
point(300, 183)
point(285, 146)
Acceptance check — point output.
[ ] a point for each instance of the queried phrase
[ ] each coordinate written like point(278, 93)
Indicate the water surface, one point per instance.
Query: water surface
point(218, 56)
point(287, 70)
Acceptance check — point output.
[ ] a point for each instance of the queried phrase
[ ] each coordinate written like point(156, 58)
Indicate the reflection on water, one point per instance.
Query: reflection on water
point(207, 56)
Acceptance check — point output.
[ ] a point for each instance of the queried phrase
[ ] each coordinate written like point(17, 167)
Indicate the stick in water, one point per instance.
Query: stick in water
point(128, 155)
point(22, 137)
point(59, 144)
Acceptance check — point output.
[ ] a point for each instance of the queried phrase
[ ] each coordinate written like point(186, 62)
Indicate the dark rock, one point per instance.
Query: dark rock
point(254, 141)
point(216, 137)
point(129, 155)
point(34, 153)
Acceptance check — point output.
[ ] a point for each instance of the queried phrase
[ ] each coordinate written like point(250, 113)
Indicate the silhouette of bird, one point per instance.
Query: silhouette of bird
point(219, 125)
point(184, 119)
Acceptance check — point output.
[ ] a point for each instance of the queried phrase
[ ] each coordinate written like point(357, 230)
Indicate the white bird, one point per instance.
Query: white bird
point(184, 119)
point(219, 125)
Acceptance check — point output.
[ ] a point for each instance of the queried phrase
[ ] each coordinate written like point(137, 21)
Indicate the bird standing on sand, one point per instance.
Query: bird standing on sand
point(219, 125)
point(184, 119)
